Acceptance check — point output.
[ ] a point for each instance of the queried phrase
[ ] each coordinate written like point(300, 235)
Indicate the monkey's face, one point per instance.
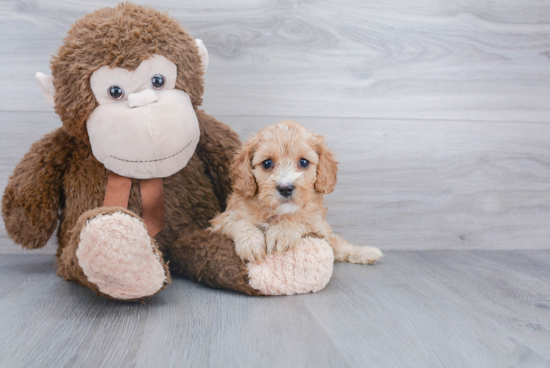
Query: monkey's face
point(143, 127)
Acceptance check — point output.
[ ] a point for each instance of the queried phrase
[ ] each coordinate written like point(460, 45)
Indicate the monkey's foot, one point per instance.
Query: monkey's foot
point(303, 269)
point(119, 258)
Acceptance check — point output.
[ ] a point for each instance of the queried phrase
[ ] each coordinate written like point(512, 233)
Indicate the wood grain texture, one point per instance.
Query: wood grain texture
point(413, 184)
point(438, 112)
point(413, 309)
point(458, 60)
point(403, 184)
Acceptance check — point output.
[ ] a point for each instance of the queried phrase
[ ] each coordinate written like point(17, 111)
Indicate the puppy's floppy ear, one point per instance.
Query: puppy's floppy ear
point(241, 171)
point(327, 167)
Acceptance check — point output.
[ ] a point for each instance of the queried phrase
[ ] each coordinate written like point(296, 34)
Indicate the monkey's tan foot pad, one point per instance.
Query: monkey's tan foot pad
point(306, 268)
point(116, 254)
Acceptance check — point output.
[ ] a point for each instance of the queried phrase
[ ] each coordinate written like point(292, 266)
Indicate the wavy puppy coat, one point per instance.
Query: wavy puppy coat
point(280, 178)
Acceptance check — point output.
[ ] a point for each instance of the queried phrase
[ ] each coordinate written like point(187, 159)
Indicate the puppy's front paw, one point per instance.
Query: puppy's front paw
point(278, 239)
point(250, 245)
point(364, 255)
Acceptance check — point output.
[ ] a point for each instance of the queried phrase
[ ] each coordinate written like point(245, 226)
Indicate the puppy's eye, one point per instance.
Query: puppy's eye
point(115, 92)
point(157, 82)
point(304, 163)
point(267, 164)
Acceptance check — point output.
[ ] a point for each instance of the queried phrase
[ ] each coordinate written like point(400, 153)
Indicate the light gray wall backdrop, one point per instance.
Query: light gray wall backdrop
point(439, 110)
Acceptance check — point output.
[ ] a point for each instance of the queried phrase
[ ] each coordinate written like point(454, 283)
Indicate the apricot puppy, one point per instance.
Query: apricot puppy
point(280, 178)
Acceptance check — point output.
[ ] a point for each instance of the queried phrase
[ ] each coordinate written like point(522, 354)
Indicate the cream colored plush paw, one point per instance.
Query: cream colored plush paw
point(117, 255)
point(303, 269)
point(250, 245)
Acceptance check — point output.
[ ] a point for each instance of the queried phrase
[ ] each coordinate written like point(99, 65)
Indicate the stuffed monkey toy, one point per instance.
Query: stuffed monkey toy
point(136, 170)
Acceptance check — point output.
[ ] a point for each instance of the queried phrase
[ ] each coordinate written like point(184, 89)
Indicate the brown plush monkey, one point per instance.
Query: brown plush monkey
point(126, 84)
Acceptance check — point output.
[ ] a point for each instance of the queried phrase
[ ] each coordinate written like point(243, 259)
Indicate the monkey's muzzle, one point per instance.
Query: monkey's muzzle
point(152, 136)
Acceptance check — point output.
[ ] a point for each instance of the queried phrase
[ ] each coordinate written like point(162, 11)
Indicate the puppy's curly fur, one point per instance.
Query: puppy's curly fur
point(280, 178)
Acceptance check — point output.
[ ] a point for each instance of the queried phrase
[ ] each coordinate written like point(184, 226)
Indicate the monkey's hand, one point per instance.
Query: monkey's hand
point(30, 204)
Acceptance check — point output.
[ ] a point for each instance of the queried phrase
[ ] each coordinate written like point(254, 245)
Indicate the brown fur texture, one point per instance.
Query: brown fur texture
point(260, 219)
point(33, 195)
point(59, 178)
point(210, 259)
point(121, 37)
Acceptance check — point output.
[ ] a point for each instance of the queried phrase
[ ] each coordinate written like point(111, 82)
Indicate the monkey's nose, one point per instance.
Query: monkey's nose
point(142, 98)
point(285, 190)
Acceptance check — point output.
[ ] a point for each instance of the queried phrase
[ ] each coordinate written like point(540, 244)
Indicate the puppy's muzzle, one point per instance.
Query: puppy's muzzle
point(285, 190)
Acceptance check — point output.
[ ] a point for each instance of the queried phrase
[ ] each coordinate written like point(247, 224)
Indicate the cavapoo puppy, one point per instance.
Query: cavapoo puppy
point(280, 178)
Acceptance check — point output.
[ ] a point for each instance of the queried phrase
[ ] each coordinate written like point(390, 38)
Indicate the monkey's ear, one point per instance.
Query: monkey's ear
point(46, 86)
point(203, 52)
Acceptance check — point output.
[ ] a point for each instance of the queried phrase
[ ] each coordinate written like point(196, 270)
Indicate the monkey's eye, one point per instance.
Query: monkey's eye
point(157, 82)
point(115, 92)
point(267, 164)
point(304, 163)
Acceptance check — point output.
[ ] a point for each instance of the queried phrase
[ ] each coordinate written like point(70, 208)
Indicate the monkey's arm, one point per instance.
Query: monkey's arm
point(31, 200)
point(217, 147)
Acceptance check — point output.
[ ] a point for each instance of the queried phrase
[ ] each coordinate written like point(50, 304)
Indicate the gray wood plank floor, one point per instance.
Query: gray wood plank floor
point(413, 309)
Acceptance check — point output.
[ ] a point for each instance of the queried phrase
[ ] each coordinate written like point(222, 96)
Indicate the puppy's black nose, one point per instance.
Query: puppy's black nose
point(285, 190)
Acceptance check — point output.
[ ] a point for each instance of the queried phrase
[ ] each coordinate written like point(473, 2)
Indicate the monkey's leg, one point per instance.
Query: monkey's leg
point(212, 260)
point(110, 252)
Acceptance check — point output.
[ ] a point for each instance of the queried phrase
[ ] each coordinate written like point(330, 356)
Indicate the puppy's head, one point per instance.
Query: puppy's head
point(284, 165)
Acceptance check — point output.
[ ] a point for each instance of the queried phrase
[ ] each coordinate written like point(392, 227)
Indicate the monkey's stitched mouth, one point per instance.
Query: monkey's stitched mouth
point(158, 159)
